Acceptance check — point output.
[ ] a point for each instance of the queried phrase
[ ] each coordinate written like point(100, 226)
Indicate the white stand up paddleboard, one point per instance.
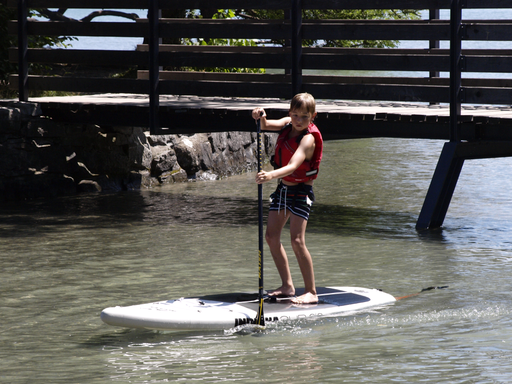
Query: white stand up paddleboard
point(225, 311)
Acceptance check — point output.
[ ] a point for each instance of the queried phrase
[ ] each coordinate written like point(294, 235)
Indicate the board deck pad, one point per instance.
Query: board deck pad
point(228, 310)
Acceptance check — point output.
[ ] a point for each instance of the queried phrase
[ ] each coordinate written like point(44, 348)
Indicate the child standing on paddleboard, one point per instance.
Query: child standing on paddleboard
point(297, 158)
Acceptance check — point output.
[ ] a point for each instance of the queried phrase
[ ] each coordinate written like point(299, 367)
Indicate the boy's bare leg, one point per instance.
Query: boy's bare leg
point(298, 238)
point(276, 222)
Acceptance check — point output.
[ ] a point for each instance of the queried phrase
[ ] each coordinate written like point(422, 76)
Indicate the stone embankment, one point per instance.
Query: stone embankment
point(43, 158)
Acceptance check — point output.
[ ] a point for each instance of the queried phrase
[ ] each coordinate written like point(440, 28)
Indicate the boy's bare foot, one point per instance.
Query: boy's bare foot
point(307, 298)
point(282, 291)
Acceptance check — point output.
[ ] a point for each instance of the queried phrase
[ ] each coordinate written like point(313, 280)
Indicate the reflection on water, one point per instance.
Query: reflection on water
point(64, 260)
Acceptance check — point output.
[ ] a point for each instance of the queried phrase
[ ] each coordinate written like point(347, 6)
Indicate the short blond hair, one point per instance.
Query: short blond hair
point(303, 101)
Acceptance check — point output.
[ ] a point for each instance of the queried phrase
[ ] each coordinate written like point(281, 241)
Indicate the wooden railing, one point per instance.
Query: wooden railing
point(292, 61)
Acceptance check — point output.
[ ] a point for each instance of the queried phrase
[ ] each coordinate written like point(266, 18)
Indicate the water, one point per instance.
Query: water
point(64, 260)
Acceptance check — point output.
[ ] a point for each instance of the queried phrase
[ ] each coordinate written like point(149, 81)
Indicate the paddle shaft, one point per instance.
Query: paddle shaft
point(260, 319)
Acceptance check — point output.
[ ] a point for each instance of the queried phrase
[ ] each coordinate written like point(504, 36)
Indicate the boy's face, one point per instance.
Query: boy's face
point(301, 118)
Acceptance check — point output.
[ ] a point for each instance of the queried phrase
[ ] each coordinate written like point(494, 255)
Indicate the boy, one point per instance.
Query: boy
point(297, 158)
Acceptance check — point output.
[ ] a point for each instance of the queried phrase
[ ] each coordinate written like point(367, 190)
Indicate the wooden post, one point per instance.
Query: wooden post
point(456, 62)
point(154, 70)
point(296, 47)
point(441, 188)
point(22, 50)
point(449, 165)
point(288, 42)
point(433, 14)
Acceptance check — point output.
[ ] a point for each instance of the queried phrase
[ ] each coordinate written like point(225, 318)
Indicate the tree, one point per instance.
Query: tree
point(262, 14)
point(336, 14)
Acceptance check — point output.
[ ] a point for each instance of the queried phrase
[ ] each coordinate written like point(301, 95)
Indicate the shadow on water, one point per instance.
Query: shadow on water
point(127, 337)
point(84, 210)
point(360, 221)
point(118, 209)
point(30, 218)
point(122, 338)
point(368, 222)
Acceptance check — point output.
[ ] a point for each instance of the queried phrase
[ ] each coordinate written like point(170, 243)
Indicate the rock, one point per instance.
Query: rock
point(41, 158)
point(88, 186)
point(218, 141)
point(164, 160)
point(189, 151)
point(140, 156)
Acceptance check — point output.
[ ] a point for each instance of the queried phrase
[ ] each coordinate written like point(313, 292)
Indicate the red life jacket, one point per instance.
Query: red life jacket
point(286, 147)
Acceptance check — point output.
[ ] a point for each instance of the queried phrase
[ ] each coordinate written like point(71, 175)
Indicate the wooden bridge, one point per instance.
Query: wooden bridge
point(188, 102)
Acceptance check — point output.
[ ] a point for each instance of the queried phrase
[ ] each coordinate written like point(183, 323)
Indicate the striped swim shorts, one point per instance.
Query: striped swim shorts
point(298, 199)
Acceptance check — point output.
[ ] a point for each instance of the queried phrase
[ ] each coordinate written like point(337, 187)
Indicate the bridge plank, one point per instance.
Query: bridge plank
point(84, 84)
point(277, 29)
point(81, 56)
point(346, 60)
point(65, 28)
point(328, 90)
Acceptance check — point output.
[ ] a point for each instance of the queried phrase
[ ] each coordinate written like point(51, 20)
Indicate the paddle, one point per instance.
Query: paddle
point(260, 318)
point(423, 290)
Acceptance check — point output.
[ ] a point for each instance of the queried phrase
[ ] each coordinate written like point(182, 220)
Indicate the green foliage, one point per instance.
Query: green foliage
point(224, 14)
point(307, 15)
point(224, 42)
point(365, 14)
point(337, 14)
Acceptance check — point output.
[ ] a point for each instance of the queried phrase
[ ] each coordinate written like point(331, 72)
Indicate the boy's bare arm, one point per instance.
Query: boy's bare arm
point(269, 124)
point(307, 145)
